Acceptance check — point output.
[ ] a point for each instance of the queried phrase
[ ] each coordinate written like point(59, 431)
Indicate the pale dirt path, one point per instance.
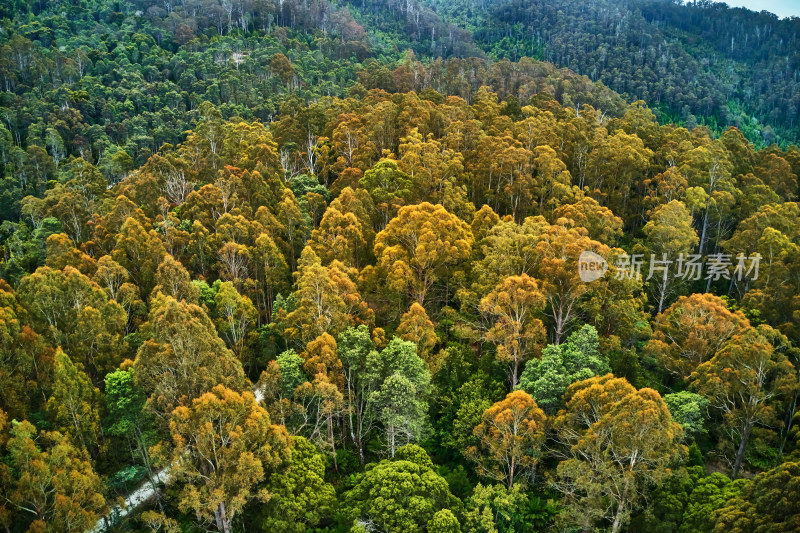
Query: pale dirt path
point(132, 501)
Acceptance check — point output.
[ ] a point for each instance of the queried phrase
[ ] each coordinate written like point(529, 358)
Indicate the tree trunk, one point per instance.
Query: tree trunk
point(333, 442)
point(703, 233)
point(223, 523)
point(358, 434)
point(788, 425)
point(514, 372)
point(663, 288)
point(742, 447)
point(615, 527)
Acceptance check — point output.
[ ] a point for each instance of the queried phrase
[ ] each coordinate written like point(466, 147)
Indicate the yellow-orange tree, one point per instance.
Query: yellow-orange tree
point(421, 245)
point(559, 250)
point(515, 330)
point(615, 442)
point(601, 223)
point(415, 326)
point(68, 309)
point(47, 483)
point(183, 358)
point(327, 299)
point(691, 331)
point(225, 445)
point(510, 437)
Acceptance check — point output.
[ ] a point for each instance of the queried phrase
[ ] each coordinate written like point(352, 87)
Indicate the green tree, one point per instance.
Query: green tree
point(357, 352)
point(444, 521)
point(125, 403)
point(690, 410)
point(401, 410)
point(388, 186)
point(670, 235)
point(710, 494)
point(578, 358)
point(686, 502)
point(500, 509)
point(398, 497)
point(769, 503)
point(400, 392)
point(300, 497)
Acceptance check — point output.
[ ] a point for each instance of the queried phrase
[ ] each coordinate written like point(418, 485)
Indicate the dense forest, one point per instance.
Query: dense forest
point(694, 63)
point(388, 266)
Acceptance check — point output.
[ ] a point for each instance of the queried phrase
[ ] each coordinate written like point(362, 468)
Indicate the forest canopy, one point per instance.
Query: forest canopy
point(362, 266)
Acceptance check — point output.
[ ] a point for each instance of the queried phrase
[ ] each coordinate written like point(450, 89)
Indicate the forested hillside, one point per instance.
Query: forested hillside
point(341, 267)
point(698, 62)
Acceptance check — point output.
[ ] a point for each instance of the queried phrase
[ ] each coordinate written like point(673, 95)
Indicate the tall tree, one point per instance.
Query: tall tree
point(708, 170)
point(272, 273)
point(553, 182)
point(356, 352)
point(320, 308)
point(339, 236)
point(140, 251)
point(510, 437)
point(125, 404)
point(73, 405)
point(670, 236)
point(224, 446)
point(691, 331)
point(399, 398)
point(613, 168)
point(515, 329)
point(183, 358)
point(73, 312)
point(54, 486)
point(559, 251)
point(601, 223)
point(172, 279)
point(745, 382)
point(420, 246)
point(237, 320)
point(615, 442)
